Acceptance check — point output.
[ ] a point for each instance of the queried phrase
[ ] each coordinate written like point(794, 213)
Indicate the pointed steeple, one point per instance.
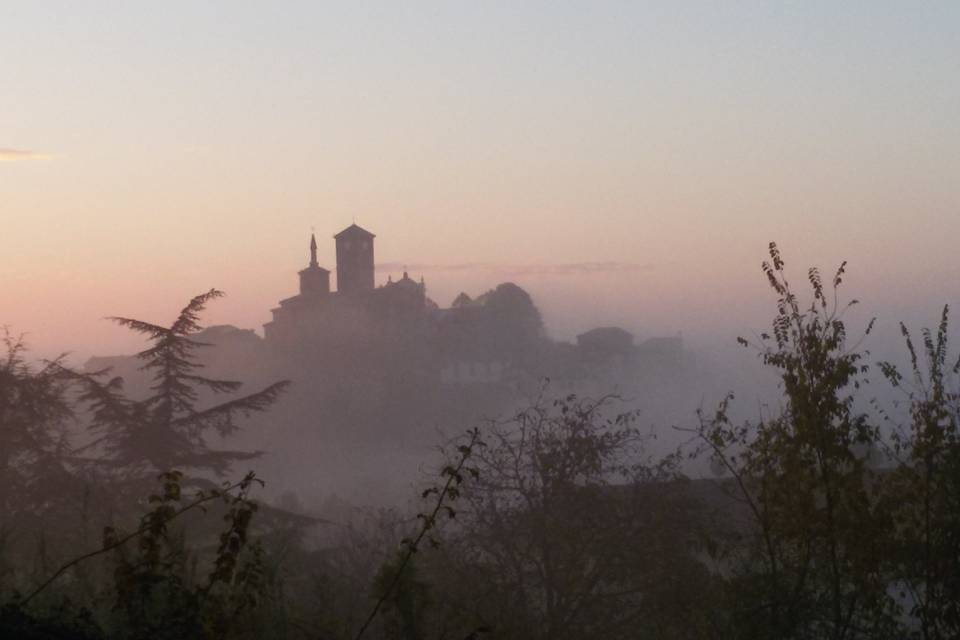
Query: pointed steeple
point(314, 279)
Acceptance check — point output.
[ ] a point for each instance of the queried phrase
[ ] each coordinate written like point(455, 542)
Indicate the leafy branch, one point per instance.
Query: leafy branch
point(450, 491)
point(151, 523)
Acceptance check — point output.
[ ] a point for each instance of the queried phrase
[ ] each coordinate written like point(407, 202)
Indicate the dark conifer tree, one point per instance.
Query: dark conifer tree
point(167, 430)
point(34, 413)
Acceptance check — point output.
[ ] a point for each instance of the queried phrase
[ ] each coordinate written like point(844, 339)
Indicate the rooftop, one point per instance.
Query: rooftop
point(354, 230)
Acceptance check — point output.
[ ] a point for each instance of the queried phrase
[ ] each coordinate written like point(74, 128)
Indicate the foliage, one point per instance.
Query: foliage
point(568, 531)
point(395, 584)
point(34, 414)
point(62, 622)
point(555, 523)
point(36, 480)
point(405, 597)
point(167, 430)
point(152, 592)
point(923, 491)
point(508, 324)
point(811, 565)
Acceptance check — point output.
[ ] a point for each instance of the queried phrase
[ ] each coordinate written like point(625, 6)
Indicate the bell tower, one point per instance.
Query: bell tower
point(354, 260)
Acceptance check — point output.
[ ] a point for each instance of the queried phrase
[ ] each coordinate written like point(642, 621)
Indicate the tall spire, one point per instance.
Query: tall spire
point(313, 251)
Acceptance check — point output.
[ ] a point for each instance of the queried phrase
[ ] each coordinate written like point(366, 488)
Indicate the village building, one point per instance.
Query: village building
point(393, 331)
point(356, 310)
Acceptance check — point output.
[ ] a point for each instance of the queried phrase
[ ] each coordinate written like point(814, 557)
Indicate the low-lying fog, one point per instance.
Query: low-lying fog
point(367, 432)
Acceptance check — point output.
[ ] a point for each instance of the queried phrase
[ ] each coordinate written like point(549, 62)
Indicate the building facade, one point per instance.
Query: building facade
point(356, 312)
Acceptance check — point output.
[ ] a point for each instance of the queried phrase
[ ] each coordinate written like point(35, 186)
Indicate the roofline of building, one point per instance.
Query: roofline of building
point(353, 229)
point(314, 267)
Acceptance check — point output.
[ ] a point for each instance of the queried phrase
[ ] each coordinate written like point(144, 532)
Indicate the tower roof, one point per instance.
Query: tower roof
point(356, 231)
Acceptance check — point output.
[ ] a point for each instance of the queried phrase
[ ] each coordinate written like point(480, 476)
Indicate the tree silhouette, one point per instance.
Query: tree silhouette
point(568, 531)
point(167, 430)
point(809, 563)
point(923, 492)
point(34, 412)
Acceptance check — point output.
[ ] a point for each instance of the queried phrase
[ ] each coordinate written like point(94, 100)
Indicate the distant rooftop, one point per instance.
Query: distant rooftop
point(355, 230)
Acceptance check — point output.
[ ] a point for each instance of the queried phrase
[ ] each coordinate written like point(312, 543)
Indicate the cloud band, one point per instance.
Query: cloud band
point(570, 268)
point(14, 155)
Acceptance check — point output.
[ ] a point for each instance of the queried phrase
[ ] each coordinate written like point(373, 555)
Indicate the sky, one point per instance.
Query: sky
point(626, 162)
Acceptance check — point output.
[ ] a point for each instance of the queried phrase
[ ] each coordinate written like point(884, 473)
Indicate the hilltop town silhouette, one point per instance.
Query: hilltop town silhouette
point(381, 365)
point(473, 341)
point(392, 334)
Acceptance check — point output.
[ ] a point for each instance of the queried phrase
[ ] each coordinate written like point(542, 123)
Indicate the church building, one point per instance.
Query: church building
point(318, 316)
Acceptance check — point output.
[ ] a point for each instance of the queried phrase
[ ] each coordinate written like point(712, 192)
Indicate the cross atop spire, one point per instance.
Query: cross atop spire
point(313, 250)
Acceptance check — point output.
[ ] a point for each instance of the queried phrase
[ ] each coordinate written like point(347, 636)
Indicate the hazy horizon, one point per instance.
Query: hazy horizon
point(167, 150)
point(593, 175)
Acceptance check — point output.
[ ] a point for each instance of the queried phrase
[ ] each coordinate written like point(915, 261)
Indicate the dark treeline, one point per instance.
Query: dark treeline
point(824, 520)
